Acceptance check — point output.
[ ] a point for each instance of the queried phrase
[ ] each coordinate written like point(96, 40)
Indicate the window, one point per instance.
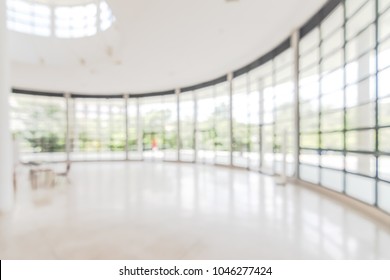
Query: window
point(240, 121)
point(106, 16)
point(39, 125)
point(332, 179)
point(267, 105)
point(361, 188)
point(187, 126)
point(284, 112)
point(153, 117)
point(222, 124)
point(134, 129)
point(205, 127)
point(76, 22)
point(338, 102)
point(66, 21)
point(28, 17)
point(384, 196)
point(384, 143)
point(99, 127)
point(360, 164)
point(169, 144)
point(255, 81)
point(384, 172)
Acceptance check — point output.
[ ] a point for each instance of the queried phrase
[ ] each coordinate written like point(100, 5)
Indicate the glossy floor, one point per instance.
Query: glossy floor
point(150, 210)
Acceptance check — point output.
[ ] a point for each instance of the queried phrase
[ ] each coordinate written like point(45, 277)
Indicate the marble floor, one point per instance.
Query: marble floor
point(151, 210)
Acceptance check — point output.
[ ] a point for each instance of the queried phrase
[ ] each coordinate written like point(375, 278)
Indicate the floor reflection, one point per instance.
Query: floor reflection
point(150, 210)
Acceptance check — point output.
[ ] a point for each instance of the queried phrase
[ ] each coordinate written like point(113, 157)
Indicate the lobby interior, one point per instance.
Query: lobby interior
point(182, 129)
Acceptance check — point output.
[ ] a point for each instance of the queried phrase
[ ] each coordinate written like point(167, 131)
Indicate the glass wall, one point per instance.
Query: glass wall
point(322, 103)
point(360, 95)
point(205, 126)
point(222, 124)
point(344, 102)
point(383, 106)
point(134, 129)
point(39, 127)
point(267, 118)
point(283, 146)
point(344, 113)
point(98, 129)
point(170, 128)
point(254, 118)
point(240, 116)
point(309, 123)
point(263, 117)
point(187, 126)
point(153, 117)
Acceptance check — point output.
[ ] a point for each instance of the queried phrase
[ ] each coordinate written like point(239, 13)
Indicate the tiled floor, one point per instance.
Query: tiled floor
point(183, 211)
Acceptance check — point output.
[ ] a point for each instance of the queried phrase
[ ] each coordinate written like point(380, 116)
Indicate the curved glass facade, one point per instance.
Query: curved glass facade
point(317, 108)
point(342, 104)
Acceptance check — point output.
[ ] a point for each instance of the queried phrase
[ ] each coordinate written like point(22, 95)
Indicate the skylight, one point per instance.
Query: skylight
point(59, 21)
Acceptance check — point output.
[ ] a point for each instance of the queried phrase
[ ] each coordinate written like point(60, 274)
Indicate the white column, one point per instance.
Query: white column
point(68, 146)
point(214, 124)
point(139, 131)
point(230, 87)
point(261, 121)
point(6, 161)
point(195, 96)
point(248, 120)
point(126, 99)
point(177, 93)
point(295, 46)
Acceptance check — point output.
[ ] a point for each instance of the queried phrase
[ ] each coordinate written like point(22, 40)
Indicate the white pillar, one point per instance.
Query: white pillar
point(126, 99)
point(261, 121)
point(139, 131)
point(195, 136)
point(248, 120)
point(230, 86)
point(178, 138)
point(68, 146)
point(296, 128)
point(6, 188)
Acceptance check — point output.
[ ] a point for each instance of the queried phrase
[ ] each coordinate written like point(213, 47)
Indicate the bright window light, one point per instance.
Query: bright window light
point(61, 21)
point(106, 16)
point(27, 17)
point(76, 22)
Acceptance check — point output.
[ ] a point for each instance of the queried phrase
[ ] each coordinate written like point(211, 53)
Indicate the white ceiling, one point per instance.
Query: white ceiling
point(158, 45)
